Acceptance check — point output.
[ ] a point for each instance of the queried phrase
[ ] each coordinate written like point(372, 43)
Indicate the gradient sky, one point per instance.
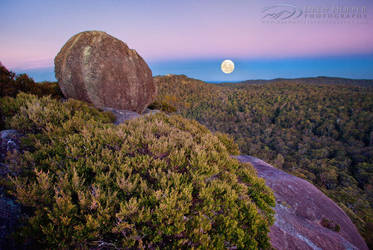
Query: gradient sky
point(193, 37)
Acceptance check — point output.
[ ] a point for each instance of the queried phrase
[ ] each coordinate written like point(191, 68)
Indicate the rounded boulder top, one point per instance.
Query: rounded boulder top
point(100, 69)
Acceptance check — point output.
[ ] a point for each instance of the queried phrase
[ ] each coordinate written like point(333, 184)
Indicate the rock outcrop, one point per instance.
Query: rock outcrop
point(305, 217)
point(9, 144)
point(10, 210)
point(97, 68)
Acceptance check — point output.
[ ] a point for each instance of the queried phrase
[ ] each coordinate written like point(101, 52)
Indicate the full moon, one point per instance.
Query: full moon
point(227, 66)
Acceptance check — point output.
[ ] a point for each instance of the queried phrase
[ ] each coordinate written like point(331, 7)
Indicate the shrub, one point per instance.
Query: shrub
point(330, 225)
point(48, 88)
point(14, 109)
point(163, 106)
point(11, 85)
point(2, 124)
point(10, 106)
point(154, 182)
point(228, 142)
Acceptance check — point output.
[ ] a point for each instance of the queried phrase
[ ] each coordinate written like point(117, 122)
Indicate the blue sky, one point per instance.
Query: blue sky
point(356, 67)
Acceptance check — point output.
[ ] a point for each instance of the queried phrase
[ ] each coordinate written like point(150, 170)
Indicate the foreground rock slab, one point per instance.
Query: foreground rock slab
point(97, 68)
point(302, 213)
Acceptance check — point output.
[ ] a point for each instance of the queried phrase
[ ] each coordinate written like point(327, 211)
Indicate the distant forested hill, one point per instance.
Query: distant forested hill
point(319, 129)
point(311, 80)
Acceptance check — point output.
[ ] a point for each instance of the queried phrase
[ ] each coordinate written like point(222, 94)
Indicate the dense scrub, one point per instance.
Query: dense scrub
point(154, 182)
point(312, 80)
point(320, 132)
point(163, 106)
point(12, 84)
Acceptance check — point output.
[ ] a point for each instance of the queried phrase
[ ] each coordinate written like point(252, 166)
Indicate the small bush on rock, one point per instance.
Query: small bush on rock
point(330, 225)
point(163, 106)
point(154, 182)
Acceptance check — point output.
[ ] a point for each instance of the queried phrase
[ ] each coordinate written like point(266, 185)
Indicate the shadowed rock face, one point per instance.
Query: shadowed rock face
point(98, 68)
point(300, 210)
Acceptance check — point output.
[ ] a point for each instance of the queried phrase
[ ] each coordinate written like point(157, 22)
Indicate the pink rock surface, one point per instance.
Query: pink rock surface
point(300, 208)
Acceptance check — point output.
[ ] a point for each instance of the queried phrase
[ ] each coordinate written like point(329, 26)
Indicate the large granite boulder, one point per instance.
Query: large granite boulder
point(305, 217)
point(97, 68)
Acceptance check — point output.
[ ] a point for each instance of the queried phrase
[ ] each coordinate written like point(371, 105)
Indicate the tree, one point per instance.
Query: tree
point(279, 162)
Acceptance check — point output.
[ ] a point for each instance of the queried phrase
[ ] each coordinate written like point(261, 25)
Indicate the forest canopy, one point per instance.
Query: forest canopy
point(320, 132)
